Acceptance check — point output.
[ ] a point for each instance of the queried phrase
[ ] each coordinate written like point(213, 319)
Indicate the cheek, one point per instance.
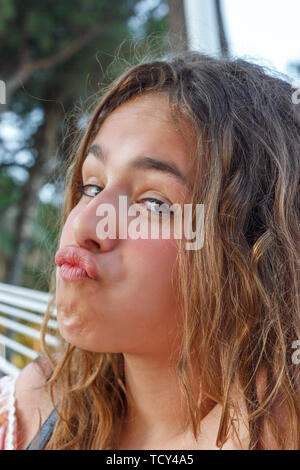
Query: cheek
point(152, 263)
point(155, 257)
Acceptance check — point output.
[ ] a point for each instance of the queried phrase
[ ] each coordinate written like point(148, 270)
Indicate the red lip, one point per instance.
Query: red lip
point(79, 257)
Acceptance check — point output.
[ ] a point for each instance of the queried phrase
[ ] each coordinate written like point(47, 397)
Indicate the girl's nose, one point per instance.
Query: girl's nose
point(85, 226)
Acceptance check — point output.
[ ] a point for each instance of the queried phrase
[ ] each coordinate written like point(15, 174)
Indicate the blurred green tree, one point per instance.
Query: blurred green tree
point(55, 57)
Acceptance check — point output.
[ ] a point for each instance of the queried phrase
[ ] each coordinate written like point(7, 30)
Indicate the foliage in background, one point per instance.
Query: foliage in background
point(55, 57)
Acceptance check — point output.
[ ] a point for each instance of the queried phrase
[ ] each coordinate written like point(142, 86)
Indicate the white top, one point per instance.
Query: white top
point(8, 420)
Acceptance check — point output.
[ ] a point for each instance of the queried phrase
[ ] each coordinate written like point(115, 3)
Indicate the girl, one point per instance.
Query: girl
point(166, 347)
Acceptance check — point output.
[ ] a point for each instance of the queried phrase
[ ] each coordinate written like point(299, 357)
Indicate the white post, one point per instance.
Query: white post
point(202, 26)
point(2, 92)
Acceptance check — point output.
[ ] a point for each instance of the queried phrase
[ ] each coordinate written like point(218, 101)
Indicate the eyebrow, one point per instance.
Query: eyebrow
point(143, 162)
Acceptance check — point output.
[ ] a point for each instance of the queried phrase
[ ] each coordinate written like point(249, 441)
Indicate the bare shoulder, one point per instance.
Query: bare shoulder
point(33, 402)
point(280, 411)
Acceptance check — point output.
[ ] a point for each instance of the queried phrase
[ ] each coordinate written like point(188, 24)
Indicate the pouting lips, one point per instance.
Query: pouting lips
point(77, 256)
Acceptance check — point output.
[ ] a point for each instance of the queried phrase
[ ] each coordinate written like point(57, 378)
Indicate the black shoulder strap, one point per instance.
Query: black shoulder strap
point(42, 437)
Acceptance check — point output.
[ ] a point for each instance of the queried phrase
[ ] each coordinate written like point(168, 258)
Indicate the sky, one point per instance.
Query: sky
point(268, 30)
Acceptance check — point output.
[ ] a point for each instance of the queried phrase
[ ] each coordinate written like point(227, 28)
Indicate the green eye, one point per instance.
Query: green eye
point(158, 207)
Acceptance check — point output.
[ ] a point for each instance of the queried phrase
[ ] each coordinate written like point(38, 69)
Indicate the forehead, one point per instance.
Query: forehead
point(145, 124)
point(142, 115)
point(151, 104)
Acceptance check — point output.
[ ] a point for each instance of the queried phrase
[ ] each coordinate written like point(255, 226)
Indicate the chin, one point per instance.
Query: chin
point(74, 332)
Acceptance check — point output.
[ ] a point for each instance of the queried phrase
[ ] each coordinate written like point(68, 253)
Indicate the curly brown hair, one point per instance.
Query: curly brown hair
point(239, 295)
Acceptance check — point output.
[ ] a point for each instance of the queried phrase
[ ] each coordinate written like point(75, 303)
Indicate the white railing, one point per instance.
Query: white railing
point(18, 306)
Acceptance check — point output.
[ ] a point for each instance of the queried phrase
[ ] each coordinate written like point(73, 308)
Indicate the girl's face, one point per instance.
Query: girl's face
point(132, 307)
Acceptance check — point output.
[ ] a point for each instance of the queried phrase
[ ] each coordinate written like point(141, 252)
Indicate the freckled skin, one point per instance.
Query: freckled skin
point(132, 308)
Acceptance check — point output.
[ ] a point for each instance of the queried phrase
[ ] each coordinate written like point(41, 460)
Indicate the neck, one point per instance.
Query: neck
point(157, 410)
